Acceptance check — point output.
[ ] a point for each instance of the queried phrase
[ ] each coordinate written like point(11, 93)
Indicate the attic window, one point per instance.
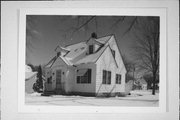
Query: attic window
point(91, 49)
point(58, 54)
point(113, 53)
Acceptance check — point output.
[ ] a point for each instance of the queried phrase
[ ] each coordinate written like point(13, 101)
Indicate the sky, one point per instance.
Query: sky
point(45, 32)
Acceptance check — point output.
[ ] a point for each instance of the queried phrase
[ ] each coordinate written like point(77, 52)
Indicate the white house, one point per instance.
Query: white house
point(93, 67)
point(141, 83)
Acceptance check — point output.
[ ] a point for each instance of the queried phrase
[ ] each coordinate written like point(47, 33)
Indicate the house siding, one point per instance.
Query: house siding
point(113, 45)
point(106, 62)
point(70, 75)
point(58, 65)
point(121, 67)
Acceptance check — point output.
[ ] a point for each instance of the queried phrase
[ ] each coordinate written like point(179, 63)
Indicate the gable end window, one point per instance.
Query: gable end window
point(91, 49)
point(113, 53)
point(118, 79)
point(83, 76)
point(106, 77)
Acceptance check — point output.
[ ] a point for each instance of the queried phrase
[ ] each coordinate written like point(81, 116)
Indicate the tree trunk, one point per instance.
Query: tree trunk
point(154, 83)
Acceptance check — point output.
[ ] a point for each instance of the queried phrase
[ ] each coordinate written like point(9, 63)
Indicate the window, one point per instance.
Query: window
point(118, 79)
point(113, 53)
point(49, 80)
point(91, 49)
point(58, 54)
point(84, 76)
point(106, 77)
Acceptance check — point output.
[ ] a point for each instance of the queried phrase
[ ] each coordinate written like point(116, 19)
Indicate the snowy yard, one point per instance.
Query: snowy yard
point(137, 98)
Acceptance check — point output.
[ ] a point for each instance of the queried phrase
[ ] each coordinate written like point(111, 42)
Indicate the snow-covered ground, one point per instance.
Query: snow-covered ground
point(137, 98)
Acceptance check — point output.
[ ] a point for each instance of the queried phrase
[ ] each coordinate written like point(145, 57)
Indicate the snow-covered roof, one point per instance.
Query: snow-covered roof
point(75, 50)
point(92, 57)
point(53, 60)
point(28, 68)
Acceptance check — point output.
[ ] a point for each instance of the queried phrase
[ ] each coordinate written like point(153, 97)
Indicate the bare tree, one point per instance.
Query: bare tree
point(147, 43)
point(147, 47)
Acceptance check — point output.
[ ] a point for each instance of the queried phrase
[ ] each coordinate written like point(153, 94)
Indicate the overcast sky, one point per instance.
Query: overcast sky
point(44, 33)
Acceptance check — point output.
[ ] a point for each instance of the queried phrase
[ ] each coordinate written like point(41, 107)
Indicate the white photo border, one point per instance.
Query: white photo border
point(161, 12)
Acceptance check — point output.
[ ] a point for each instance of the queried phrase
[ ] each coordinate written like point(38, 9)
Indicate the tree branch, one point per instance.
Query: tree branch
point(77, 29)
point(131, 25)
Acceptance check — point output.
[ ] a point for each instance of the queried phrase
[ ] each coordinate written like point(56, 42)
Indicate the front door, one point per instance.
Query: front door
point(58, 80)
point(48, 85)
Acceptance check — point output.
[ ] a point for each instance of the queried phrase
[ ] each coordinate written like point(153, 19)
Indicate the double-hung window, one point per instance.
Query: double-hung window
point(118, 79)
point(106, 77)
point(91, 49)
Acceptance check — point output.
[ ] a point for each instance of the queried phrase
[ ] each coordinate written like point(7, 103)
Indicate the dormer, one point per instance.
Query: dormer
point(92, 44)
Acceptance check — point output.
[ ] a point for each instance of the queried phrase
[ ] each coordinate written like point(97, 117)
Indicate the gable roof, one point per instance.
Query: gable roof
point(54, 59)
point(76, 49)
point(79, 48)
point(104, 40)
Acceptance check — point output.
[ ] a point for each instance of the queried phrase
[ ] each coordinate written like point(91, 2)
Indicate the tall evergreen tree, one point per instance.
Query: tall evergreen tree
point(38, 86)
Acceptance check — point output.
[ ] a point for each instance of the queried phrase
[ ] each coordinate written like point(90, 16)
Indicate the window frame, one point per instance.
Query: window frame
point(118, 78)
point(86, 79)
point(91, 47)
point(49, 80)
point(106, 77)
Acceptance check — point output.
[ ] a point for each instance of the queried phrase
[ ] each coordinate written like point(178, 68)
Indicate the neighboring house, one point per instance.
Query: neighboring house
point(141, 82)
point(30, 79)
point(93, 67)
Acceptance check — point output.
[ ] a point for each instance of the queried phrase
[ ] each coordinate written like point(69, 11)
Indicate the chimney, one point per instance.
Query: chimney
point(94, 35)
